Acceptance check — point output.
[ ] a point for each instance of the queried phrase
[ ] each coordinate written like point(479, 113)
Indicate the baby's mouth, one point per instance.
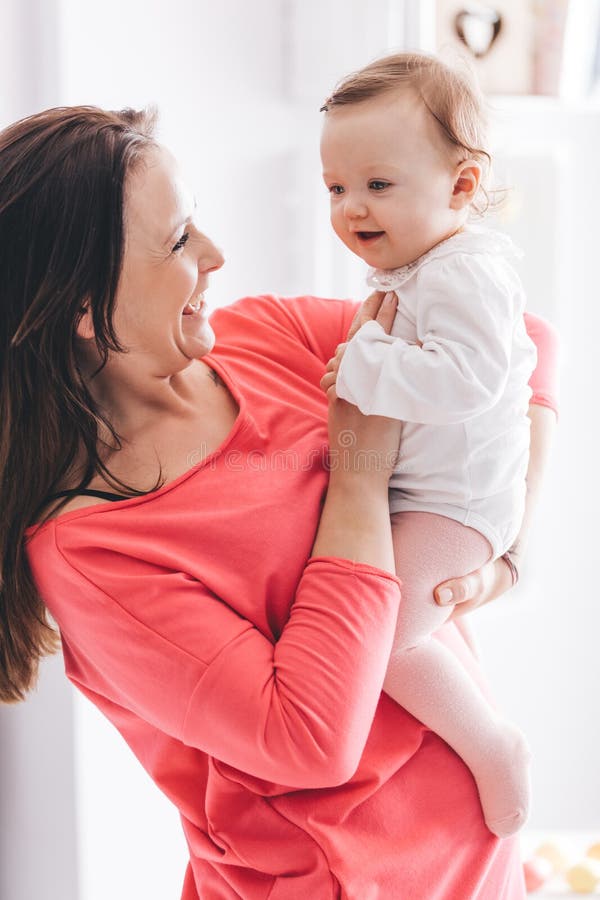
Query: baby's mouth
point(368, 236)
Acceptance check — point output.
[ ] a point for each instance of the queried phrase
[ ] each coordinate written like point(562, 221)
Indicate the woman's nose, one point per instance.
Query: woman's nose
point(210, 257)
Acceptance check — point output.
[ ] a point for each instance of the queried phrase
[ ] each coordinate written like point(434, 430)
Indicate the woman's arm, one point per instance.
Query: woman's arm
point(493, 579)
point(355, 520)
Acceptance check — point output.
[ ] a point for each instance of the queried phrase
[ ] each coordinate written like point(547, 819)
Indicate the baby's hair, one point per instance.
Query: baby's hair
point(451, 96)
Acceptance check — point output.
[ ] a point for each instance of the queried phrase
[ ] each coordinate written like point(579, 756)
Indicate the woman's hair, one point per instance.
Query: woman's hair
point(63, 175)
point(451, 96)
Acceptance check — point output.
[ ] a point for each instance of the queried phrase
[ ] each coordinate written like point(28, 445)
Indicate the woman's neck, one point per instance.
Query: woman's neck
point(133, 399)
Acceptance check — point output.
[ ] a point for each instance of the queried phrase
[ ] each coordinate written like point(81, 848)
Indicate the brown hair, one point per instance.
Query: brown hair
point(452, 97)
point(62, 185)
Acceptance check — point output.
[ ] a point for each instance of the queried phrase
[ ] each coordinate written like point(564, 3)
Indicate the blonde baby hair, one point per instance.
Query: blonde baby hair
point(451, 96)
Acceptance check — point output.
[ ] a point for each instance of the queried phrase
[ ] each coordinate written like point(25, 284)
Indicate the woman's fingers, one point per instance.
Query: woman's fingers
point(387, 311)
point(378, 306)
point(328, 381)
point(367, 311)
point(331, 369)
point(459, 590)
point(475, 589)
point(339, 352)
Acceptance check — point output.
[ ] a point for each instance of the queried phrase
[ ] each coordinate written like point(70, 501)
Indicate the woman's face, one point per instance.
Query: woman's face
point(165, 271)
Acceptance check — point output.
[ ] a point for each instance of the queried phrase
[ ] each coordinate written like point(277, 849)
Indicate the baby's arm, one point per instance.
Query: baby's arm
point(464, 323)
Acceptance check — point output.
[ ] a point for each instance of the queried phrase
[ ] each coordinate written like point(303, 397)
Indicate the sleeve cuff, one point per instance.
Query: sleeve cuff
point(352, 567)
point(539, 398)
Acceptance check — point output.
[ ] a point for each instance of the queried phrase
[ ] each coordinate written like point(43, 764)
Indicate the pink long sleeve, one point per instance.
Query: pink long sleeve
point(544, 380)
point(296, 711)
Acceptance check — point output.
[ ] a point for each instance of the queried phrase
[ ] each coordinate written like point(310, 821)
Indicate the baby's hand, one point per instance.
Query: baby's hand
point(329, 378)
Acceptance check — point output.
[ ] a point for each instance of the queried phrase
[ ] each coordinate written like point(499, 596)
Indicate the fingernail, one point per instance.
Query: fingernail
point(445, 596)
point(390, 297)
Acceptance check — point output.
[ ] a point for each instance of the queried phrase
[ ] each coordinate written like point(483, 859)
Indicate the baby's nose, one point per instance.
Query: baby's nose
point(354, 207)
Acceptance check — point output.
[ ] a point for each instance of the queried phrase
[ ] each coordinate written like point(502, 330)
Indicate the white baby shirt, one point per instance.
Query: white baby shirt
point(462, 396)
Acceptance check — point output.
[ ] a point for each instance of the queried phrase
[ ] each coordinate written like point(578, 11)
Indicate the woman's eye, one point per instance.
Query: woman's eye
point(336, 189)
point(378, 185)
point(181, 242)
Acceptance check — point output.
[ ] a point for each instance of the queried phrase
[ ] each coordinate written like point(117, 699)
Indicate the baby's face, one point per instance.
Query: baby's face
point(390, 179)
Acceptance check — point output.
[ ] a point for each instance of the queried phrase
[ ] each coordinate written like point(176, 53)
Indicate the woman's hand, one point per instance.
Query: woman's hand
point(358, 443)
point(332, 367)
point(494, 578)
point(475, 589)
point(378, 306)
point(355, 522)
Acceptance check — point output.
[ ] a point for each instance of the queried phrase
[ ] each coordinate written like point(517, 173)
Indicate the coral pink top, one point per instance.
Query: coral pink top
point(246, 676)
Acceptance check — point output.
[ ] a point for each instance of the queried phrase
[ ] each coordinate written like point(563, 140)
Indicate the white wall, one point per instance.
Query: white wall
point(540, 646)
point(215, 70)
point(29, 57)
point(38, 840)
point(239, 86)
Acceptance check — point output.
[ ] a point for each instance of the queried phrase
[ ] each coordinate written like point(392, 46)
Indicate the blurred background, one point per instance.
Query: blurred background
point(239, 86)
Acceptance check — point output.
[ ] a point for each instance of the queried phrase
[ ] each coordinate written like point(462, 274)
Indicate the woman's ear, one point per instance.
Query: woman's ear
point(85, 326)
point(467, 179)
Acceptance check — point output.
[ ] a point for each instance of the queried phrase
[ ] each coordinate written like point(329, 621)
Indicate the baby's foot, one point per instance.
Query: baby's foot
point(503, 781)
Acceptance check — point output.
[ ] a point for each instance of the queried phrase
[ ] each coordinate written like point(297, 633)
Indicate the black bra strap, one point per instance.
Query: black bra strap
point(90, 492)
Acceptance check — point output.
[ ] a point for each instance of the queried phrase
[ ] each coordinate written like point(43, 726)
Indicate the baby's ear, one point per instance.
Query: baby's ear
point(467, 179)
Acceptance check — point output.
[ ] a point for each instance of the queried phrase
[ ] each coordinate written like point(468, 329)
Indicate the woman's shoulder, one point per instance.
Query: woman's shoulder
point(56, 507)
point(285, 312)
point(316, 324)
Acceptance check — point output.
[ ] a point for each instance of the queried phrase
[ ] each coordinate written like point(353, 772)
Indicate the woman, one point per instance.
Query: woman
point(225, 604)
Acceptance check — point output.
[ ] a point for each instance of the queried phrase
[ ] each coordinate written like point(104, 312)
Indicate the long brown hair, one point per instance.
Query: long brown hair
point(451, 95)
point(62, 187)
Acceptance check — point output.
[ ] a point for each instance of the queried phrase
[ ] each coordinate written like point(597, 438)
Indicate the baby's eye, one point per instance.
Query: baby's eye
point(336, 189)
point(181, 242)
point(378, 185)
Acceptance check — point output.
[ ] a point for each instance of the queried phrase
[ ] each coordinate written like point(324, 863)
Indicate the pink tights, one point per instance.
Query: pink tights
point(427, 680)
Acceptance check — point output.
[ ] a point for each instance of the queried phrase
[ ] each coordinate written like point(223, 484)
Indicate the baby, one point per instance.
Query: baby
point(403, 160)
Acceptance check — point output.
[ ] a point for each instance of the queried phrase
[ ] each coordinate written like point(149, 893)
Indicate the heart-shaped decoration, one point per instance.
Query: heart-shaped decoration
point(478, 27)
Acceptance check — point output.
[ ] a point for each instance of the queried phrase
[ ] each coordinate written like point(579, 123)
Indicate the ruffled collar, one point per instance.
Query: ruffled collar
point(471, 239)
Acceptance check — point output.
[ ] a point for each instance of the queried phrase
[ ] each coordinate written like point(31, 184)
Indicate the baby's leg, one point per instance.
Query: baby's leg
point(426, 679)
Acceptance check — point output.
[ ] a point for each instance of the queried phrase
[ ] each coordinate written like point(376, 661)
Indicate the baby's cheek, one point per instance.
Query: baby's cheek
point(339, 226)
